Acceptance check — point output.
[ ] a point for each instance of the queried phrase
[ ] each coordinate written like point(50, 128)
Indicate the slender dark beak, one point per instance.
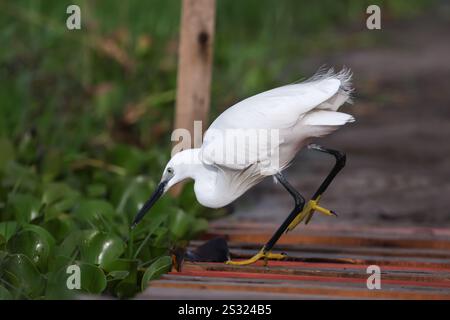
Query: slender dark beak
point(150, 202)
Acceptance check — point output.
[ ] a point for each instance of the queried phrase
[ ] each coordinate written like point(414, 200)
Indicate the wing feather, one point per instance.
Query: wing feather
point(279, 108)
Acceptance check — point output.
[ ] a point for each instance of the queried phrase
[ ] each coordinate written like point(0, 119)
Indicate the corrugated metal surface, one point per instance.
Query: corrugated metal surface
point(325, 262)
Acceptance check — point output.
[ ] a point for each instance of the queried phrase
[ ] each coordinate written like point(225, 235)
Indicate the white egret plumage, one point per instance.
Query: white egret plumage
point(294, 114)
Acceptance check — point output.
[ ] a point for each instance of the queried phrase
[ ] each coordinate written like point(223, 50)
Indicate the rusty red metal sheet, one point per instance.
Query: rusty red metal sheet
point(324, 262)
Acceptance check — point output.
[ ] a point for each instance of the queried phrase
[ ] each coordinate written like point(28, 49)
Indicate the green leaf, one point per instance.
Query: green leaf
point(57, 280)
point(128, 286)
point(34, 242)
point(58, 262)
point(156, 269)
point(180, 224)
point(5, 294)
point(6, 152)
point(60, 197)
point(52, 164)
point(200, 226)
point(120, 265)
point(128, 157)
point(93, 279)
point(130, 195)
point(20, 272)
point(42, 232)
point(94, 211)
point(20, 178)
point(24, 206)
point(59, 226)
point(7, 229)
point(71, 243)
point(119, 274)
point(101, 248)
point(96, 190)
point(126, 289)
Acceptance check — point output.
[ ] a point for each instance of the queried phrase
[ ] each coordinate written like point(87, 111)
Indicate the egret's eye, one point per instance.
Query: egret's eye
point(170, 170)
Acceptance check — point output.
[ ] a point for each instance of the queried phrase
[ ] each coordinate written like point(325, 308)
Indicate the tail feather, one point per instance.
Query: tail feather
point(327, 118)
point(345, 91)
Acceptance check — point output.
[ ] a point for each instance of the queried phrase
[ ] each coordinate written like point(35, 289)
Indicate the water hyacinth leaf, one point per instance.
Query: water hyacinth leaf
point(94, 211)
point(118, 275)
point(152, 227)
point(187, 200)
point(161, 236)
point(52, 165)
point(24, 206)
point(131, 196)
point(96, 190)
point(93, 279)
point(59, 196)
point(3, 255)
point(21, 178)
point(7, 229)
point(5, 294)
point(156, 251)
point(57, 262)
point(42, 232)
point(200, 226)
point(128, 286)
point(71, 243)
point(6, 152)
point(180, 224)
point(138, 195)
point(126, 289)
point(59, 227)
point(19, 271)
point(34, 242)
point(57, 282)
point(156, 269)
point(121, 265)
point(101, 248)
point(128, 157)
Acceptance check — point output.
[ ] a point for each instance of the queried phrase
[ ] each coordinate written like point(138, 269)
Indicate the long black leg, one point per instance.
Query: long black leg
point(299, 203)
point(339, 164)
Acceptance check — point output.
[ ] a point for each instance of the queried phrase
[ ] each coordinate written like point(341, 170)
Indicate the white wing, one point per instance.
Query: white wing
point(279, 108)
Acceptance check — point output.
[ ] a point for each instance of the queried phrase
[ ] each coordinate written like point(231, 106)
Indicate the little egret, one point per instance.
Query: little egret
point(293, 114)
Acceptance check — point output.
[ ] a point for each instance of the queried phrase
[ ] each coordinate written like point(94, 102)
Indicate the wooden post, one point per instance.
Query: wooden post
point(195, 64)
point(194, 67)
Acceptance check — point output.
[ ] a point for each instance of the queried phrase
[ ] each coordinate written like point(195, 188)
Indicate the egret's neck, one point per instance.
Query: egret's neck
point(189, 164)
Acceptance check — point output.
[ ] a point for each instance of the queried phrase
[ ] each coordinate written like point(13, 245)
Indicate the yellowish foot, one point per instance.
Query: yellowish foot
point(260, 255)
point(307, 213)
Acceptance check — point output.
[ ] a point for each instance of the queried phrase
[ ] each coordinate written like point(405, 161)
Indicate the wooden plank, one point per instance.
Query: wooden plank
point(335, 228)
point(336, 240)
point(345, 293)
point(299, 256)
point(168, 293)
point(356, 284)
point(323, 263)
point(326, 249)
point(284, 272)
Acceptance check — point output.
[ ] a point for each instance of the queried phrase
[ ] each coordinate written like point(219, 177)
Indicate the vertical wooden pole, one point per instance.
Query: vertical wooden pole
point(195, 64)
point(194, 68)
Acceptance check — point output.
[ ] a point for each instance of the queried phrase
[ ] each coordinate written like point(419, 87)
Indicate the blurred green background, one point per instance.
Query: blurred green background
point(86, 117)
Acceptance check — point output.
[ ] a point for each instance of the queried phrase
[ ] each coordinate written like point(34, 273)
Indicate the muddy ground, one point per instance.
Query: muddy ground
point(398, 151)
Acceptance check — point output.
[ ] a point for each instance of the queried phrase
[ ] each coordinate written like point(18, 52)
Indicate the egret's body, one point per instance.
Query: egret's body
point(297, 112)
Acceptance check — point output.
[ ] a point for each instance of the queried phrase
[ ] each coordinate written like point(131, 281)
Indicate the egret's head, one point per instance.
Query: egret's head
point(179, 168)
